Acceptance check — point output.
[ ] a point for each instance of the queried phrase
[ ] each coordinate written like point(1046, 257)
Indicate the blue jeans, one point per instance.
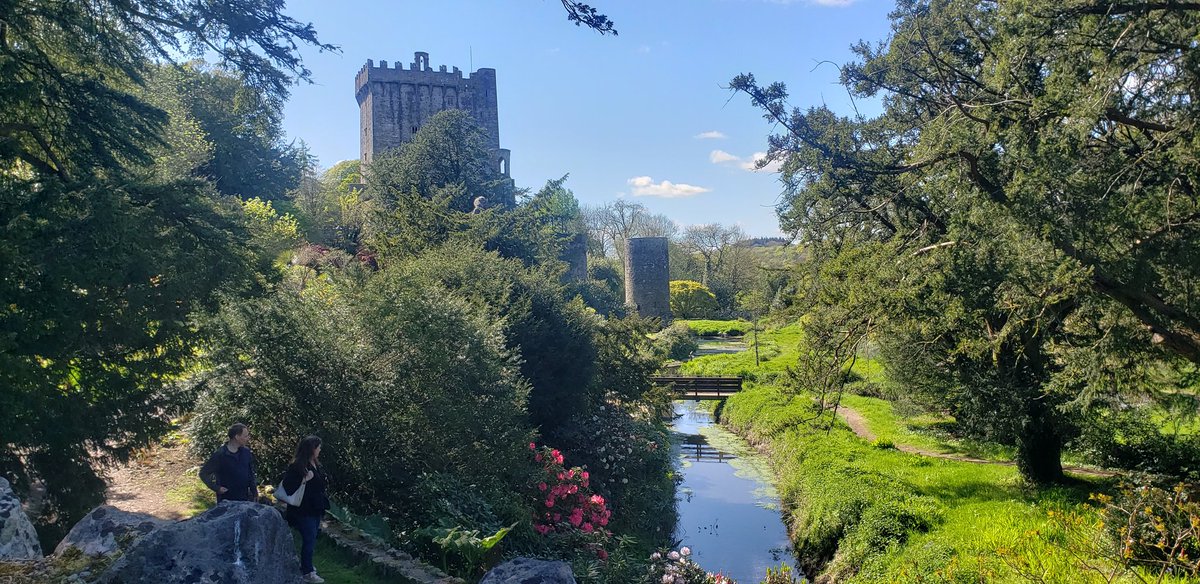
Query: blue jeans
point(308, 526)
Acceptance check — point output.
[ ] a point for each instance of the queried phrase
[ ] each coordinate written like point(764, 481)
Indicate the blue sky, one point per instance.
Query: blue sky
point(644, 115)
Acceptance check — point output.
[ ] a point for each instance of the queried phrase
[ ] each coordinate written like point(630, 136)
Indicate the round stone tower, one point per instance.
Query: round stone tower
point(575, 254)
point(647, 278)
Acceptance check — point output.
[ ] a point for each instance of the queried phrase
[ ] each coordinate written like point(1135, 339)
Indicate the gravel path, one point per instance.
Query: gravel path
point(146, 483)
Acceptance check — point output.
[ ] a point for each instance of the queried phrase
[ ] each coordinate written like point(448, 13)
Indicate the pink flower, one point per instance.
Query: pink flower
point(541, 486)
point(538, 458)
point(600, 553)
point(557, 517)
point(597, 499)
point(549, 502)
point(576, 517)
point(532, 446)
point(587, 528)
point(542, 529)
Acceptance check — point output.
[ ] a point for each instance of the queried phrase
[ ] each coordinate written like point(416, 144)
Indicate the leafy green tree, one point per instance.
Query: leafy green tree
point(243, 124)
point(449, 152)
point(1034, 173)
point(553, 337)
point(107, 252)
point(445, 396)
point(691, 299)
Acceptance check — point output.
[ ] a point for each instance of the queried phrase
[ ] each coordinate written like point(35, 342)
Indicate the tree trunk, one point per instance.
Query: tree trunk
point(1039, 445)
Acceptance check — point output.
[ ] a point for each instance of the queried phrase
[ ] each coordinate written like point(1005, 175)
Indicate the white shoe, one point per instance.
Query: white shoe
point(313, 577)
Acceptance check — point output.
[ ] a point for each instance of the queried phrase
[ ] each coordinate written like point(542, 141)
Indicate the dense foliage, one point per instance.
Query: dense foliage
point(445, 394)
point(112, 232)
point(1029, 195)
point(690, 299)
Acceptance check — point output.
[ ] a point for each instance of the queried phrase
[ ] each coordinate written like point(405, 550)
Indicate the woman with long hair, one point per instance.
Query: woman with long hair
point(306, 517)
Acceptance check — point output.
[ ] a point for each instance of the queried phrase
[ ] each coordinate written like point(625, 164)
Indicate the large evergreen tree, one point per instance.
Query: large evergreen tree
point(1034, 175)
point(108, 244)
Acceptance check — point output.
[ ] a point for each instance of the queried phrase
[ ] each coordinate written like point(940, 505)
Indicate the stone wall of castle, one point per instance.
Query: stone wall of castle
point(394, 102)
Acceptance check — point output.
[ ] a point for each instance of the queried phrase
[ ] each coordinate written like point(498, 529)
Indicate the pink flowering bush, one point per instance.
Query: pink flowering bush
point(677, 567)
point(565, 504)
point(630, 465)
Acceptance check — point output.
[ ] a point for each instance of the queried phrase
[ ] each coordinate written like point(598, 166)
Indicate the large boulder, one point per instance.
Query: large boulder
point(234, 542)
point(530, 571)
point(107, 530)
point(18, 538)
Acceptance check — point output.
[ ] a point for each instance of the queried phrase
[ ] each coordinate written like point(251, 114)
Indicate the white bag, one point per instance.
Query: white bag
point(292, 499)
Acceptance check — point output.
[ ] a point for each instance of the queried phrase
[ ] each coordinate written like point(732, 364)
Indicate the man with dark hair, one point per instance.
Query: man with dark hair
point(229, 472)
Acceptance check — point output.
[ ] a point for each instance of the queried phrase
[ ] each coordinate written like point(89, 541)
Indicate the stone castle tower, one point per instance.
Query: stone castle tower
point(394, 102)
point(647, 277)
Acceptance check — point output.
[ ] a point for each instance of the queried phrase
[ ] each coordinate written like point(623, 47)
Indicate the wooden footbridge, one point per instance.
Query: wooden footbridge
point(699, 388)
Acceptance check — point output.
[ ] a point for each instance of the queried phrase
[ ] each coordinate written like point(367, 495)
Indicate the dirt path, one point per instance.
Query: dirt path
point(858, 424)
point(155, 483)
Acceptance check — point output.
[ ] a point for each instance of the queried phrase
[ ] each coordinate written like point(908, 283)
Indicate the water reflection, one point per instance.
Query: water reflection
point(728, 508)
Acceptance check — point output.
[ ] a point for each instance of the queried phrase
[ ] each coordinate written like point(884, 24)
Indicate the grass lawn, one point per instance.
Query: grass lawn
point(919, 431)
point(864, 513)
point(869, 514)
point(338, 566)
point(710, 328)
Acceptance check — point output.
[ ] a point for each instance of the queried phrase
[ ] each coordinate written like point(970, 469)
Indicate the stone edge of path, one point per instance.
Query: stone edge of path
point(391, 561)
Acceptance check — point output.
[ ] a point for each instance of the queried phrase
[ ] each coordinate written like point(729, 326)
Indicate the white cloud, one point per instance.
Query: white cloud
point(752, 164)
point(643, 49)
point(719, 156)
point(749, 164)
point(710, 135)
point(644, 186)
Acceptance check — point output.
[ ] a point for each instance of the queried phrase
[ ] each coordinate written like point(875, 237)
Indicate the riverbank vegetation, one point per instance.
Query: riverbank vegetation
point(861, 510)
point(1001, 254)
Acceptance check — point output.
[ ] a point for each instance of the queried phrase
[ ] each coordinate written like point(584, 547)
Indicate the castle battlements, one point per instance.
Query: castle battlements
point(395, 101)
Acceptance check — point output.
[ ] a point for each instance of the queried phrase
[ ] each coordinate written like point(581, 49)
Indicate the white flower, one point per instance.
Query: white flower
point(667, 579)
point(655, 556)
point(624, 481)
point(674, 555)
point(685, 551)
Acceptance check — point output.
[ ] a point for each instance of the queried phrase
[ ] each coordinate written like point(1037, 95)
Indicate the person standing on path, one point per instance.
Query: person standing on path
point(230, 471)
point(306, 517)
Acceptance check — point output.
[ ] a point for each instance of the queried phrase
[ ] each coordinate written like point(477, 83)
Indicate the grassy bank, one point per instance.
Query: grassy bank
point(858, 512)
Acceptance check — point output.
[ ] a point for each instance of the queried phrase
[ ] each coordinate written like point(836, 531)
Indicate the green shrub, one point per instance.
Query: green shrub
point(677, 341)
point(554, 338)
point(691, 299)
point(398, 377)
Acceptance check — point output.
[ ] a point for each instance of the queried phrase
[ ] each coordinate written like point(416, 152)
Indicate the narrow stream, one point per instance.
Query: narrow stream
point(728, 509)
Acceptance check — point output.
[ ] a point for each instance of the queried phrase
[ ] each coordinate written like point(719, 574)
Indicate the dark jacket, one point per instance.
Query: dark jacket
point(316, 497)
point(236, 471)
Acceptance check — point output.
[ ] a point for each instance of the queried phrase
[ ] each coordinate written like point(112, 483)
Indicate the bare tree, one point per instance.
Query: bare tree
point(612, 223)
point(713, 242)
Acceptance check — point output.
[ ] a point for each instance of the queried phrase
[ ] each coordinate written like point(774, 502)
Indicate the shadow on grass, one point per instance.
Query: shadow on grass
point(338, 566)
